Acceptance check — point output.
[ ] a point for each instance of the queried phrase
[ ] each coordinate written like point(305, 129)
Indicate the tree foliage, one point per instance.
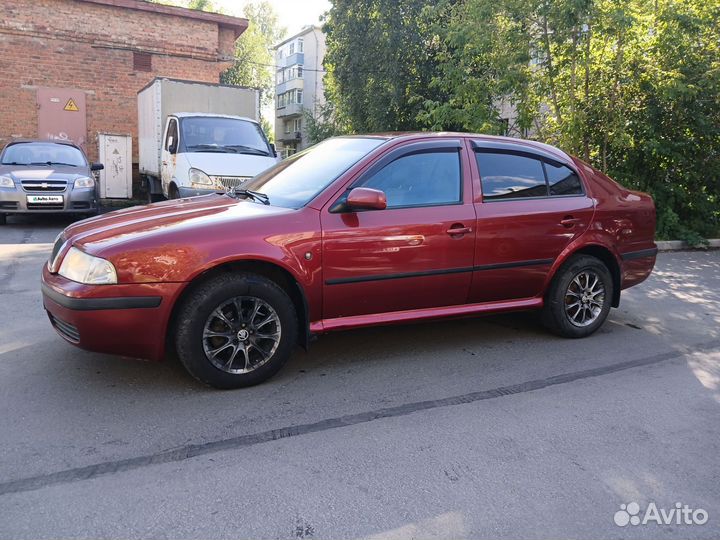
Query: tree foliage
point(379, 61)
point(631, 87)
point(253, 65)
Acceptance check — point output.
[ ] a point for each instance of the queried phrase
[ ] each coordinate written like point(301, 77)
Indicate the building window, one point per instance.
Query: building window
point(291, 49)
point(299, 96)
point(300, 72)
point(287, 127)
point(297, 124)
point(142, 61)
point(300, 45)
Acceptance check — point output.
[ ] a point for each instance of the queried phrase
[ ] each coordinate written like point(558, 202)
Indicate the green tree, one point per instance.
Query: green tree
point(254, 59)
point(380, 60)
point(631, 86)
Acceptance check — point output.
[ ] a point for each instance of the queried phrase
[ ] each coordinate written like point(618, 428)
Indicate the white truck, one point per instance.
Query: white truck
point(197, 138)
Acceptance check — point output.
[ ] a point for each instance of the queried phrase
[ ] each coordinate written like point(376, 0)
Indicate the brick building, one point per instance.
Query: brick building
point(99, 53)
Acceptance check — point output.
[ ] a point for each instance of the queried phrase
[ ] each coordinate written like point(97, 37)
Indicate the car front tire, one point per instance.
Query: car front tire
point(235, 330)
point(579, 298)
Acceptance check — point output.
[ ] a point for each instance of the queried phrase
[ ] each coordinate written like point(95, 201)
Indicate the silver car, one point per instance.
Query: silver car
point(39, 177)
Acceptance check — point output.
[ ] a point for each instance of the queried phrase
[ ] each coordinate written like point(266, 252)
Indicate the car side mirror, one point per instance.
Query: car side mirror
point(362, 198)
point(97, 167)
point(172, 146)
point(274, 150)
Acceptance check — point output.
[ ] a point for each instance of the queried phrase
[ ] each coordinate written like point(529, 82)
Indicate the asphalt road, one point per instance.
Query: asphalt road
point(477, 428)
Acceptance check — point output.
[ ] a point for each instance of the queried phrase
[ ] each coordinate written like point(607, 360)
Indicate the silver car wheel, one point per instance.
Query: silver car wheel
point(584, 298)
point(241, 334)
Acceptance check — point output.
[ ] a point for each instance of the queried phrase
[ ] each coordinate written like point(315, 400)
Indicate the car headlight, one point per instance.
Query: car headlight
point(83, 268)
point(84, 182)
point(199, 179)
point(6, 181)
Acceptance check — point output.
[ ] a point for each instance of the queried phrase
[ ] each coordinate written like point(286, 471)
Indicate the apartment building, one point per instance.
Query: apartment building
point(299, 87)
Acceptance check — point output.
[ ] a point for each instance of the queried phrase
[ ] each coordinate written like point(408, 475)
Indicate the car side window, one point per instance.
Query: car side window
point(562, 180)
point(429, 178)
point(171, 137)
point(510, 176)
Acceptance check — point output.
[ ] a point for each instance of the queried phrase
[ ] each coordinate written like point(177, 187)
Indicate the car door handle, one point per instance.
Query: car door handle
point(452, 231)
point(569, 221)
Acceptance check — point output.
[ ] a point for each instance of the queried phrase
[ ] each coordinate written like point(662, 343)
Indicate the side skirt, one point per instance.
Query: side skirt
point(397, 317)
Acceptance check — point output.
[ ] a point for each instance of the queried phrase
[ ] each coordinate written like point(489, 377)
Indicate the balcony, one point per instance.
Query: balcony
point(293, 136)
point(297, 58)
point(292, 84)
point(291, 109)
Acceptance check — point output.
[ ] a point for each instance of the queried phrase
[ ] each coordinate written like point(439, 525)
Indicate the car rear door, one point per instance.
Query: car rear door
point(418, 252)
point(531, 205)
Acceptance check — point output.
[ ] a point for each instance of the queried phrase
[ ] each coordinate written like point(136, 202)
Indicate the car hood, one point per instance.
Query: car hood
point(54, 172)
point(219, 164)
point(166, 221)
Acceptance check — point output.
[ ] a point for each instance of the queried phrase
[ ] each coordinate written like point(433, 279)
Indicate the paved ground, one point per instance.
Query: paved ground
point(476, 428)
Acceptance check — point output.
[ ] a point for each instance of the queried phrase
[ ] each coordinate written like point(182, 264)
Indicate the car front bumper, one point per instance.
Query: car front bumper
point(75, 201)
point(126, 320)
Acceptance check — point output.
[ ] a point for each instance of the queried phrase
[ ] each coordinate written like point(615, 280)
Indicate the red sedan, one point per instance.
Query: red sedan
point(355, 231)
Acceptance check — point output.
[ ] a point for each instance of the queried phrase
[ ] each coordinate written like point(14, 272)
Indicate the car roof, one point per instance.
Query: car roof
point(212, 115)
point(479, 137)
point(44, 141)
point(13, 142)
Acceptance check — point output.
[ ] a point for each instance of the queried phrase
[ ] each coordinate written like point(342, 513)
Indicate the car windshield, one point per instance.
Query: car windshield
point(40, 153)
point(217, 134)
point(295, 181)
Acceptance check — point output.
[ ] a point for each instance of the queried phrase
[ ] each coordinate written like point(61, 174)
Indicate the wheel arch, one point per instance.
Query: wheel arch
point(274, 272)
point(602, 253)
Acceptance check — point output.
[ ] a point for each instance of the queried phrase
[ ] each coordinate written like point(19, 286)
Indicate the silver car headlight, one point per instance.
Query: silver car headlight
point(198, 179)
point(6, 181)
point(83, 268)
point(84, 182)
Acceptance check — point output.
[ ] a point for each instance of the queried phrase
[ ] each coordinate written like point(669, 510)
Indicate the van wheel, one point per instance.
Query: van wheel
point(236, 330)
point(579, 298)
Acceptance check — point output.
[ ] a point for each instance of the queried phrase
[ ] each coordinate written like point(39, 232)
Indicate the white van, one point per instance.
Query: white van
point(203, 153)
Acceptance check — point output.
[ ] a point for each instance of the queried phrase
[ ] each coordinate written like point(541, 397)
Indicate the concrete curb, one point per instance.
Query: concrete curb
point(678, 245)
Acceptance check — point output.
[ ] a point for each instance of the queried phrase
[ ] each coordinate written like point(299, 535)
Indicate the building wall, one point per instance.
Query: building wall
point(86, 46)
point(313, 89)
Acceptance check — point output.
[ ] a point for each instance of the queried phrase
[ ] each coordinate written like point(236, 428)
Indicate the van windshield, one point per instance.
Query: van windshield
point(295, 181)
point(227, 135)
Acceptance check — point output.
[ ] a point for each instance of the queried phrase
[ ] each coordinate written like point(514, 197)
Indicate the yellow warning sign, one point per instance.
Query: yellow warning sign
point(71, 106)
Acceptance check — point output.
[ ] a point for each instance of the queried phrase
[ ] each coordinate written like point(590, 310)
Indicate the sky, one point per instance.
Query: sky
point(293, 14)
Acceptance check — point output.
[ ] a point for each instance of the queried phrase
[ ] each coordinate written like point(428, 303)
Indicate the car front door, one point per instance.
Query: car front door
point(169, 154)
point(418, 252)
point(532, 206)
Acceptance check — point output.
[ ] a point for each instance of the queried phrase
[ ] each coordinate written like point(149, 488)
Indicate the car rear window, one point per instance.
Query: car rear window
point(510, 176)
point(562, 180)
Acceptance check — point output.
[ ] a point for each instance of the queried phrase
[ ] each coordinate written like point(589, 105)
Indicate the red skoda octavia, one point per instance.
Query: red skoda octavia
point(355, 231)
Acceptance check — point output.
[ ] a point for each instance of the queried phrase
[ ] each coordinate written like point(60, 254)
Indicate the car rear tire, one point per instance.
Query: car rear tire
point(579, 298)
point(235, 330)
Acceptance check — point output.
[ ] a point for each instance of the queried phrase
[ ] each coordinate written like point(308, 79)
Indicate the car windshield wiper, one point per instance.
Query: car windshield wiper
point(242, 149)
point(255, 195)
point(213, 148)
point(52, 163)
